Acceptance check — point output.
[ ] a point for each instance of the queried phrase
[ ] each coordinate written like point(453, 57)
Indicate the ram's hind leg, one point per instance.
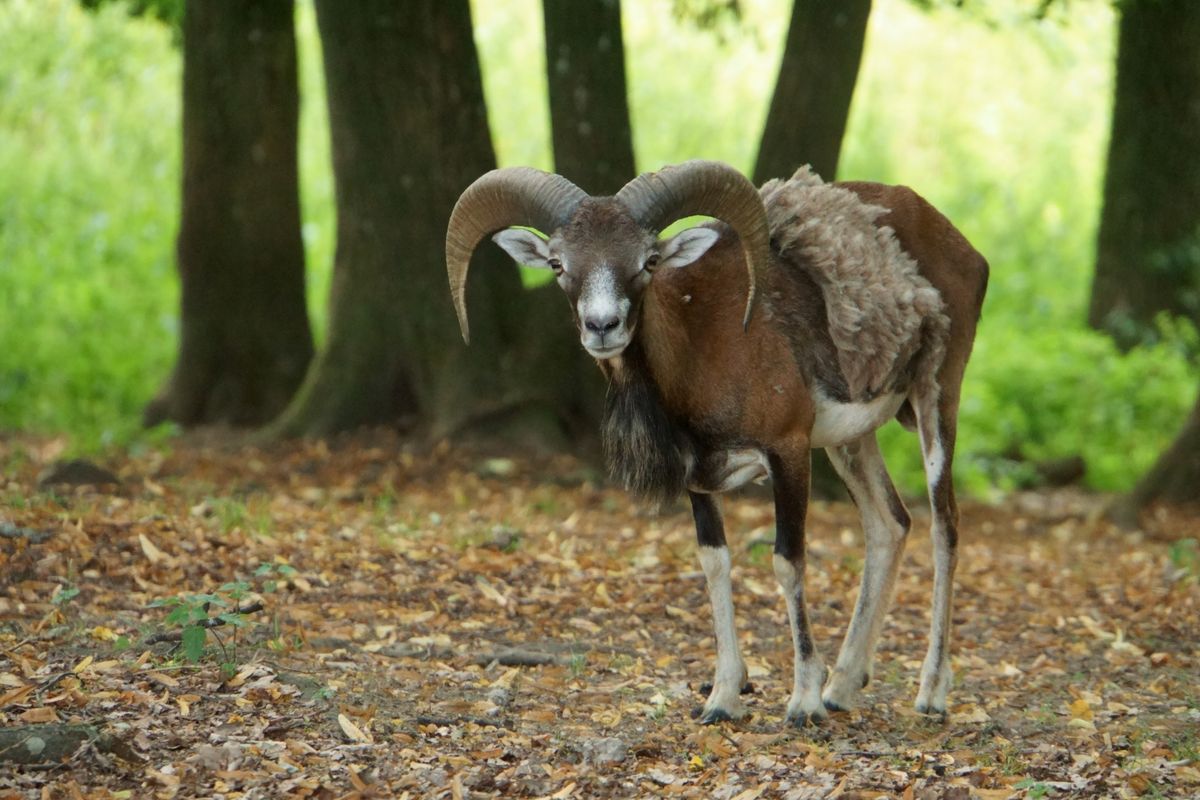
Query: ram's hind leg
point(936, 424)
point(885, 524)
point(724, 701)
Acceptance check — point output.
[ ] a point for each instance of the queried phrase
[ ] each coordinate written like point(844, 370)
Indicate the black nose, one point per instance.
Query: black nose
point(601, 326)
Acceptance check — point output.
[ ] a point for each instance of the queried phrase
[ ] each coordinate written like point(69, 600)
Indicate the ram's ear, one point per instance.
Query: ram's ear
point(525, 247)
point(686, 246)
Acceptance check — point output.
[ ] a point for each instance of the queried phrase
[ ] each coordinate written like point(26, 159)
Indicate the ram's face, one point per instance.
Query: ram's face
point(603, 260)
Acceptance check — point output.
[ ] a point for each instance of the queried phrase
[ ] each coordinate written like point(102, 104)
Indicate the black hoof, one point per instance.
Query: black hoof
point(803, 720)
point(832, 706)
point(714, 716)
point(706, 688)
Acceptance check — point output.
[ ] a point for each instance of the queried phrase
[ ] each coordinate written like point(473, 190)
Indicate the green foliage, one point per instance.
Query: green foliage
point(1185, 557)
point(168, 11)
point(272, 574)
point(1037, 789)
point(197, 615)
point(1078, 395)
point(64, 595)
point(190, 613)
point(89, 118)
point(89, 202)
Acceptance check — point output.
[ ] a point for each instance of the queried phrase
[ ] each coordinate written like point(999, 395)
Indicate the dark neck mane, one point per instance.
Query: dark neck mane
point(647, 451)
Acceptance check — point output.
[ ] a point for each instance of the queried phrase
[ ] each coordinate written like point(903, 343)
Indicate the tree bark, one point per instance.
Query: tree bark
point(245, 340)
point(589, 108)
point(1148, 252)
point(1174, 478)
point(409, 132)
point(808, 113)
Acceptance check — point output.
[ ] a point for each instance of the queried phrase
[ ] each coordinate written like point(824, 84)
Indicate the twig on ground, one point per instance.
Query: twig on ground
point(211, 622)
point(452, 721)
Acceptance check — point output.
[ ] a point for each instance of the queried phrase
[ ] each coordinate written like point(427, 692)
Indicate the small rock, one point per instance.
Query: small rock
point(602, 752)
point(661, 777)
point(76, 472)
point(500, 696)
point(497, 468)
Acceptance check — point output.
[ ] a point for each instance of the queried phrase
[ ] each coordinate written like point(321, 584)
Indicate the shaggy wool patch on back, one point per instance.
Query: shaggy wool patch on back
point(881, 310)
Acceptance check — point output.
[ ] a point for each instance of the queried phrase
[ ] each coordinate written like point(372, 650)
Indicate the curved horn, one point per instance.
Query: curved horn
point(656, 199)
point(497, 200)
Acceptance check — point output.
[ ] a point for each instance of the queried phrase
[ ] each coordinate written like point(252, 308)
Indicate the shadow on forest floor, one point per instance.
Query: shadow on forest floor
point(448, 624)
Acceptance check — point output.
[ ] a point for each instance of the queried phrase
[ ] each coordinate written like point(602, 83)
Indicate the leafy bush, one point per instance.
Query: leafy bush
point(88, 206)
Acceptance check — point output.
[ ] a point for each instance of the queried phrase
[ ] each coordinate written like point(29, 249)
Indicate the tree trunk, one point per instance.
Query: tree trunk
point(245, 341)
point(409, 132)
point(807, 118)
point(1175, 478)
point(1148, 253)
point(589, 109)
point(808, 112)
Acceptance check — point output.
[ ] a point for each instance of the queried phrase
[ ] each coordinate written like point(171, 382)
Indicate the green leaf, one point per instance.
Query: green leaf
point(180, 615)
point(235, 619)
point(65, 595)
point(235, 588)
point(193, 642)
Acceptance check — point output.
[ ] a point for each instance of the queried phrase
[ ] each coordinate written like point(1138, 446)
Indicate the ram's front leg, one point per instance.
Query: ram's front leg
point(724, 701)
point(790, 471)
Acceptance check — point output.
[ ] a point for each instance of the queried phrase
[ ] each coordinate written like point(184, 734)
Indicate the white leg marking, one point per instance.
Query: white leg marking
point(808, 671)
point(865, 475)
point(936, 675)
point(725, 700)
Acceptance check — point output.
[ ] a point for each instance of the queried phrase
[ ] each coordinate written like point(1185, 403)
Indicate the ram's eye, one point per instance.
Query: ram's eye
point(651, 262)
point(555, 265)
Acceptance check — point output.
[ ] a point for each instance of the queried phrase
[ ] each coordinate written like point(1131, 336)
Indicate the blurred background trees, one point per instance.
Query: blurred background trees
point(1148, 255)
point(811, 103)
point(879, 91)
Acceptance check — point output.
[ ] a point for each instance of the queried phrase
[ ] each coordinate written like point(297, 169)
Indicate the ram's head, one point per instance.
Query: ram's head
point(604, 251)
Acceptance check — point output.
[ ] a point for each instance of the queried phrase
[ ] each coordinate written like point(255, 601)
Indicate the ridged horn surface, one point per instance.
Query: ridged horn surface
point(711, 188)
point(497, 200)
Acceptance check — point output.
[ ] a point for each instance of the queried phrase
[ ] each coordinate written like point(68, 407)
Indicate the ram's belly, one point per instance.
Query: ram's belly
point(838, 423)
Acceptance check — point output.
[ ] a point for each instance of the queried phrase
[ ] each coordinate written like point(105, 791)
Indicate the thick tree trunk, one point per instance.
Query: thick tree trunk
point(591, 133)
point(1146, 259)
point(807, 118)
point(1176, 476)
point(808, 112)
point(589, 108)
point(409, 132)
point(245, 341)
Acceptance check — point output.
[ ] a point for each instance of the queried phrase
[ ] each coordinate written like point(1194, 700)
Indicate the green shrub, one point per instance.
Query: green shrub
point(88, 206)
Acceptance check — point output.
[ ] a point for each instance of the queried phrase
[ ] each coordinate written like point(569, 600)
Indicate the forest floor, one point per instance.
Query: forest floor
point(449, 624)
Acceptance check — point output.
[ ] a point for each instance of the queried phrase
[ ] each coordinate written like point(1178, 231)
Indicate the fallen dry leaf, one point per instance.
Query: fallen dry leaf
point(395, 583)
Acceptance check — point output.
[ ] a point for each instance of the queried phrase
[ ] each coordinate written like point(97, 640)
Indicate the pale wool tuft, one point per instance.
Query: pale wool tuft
point(881, 310)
